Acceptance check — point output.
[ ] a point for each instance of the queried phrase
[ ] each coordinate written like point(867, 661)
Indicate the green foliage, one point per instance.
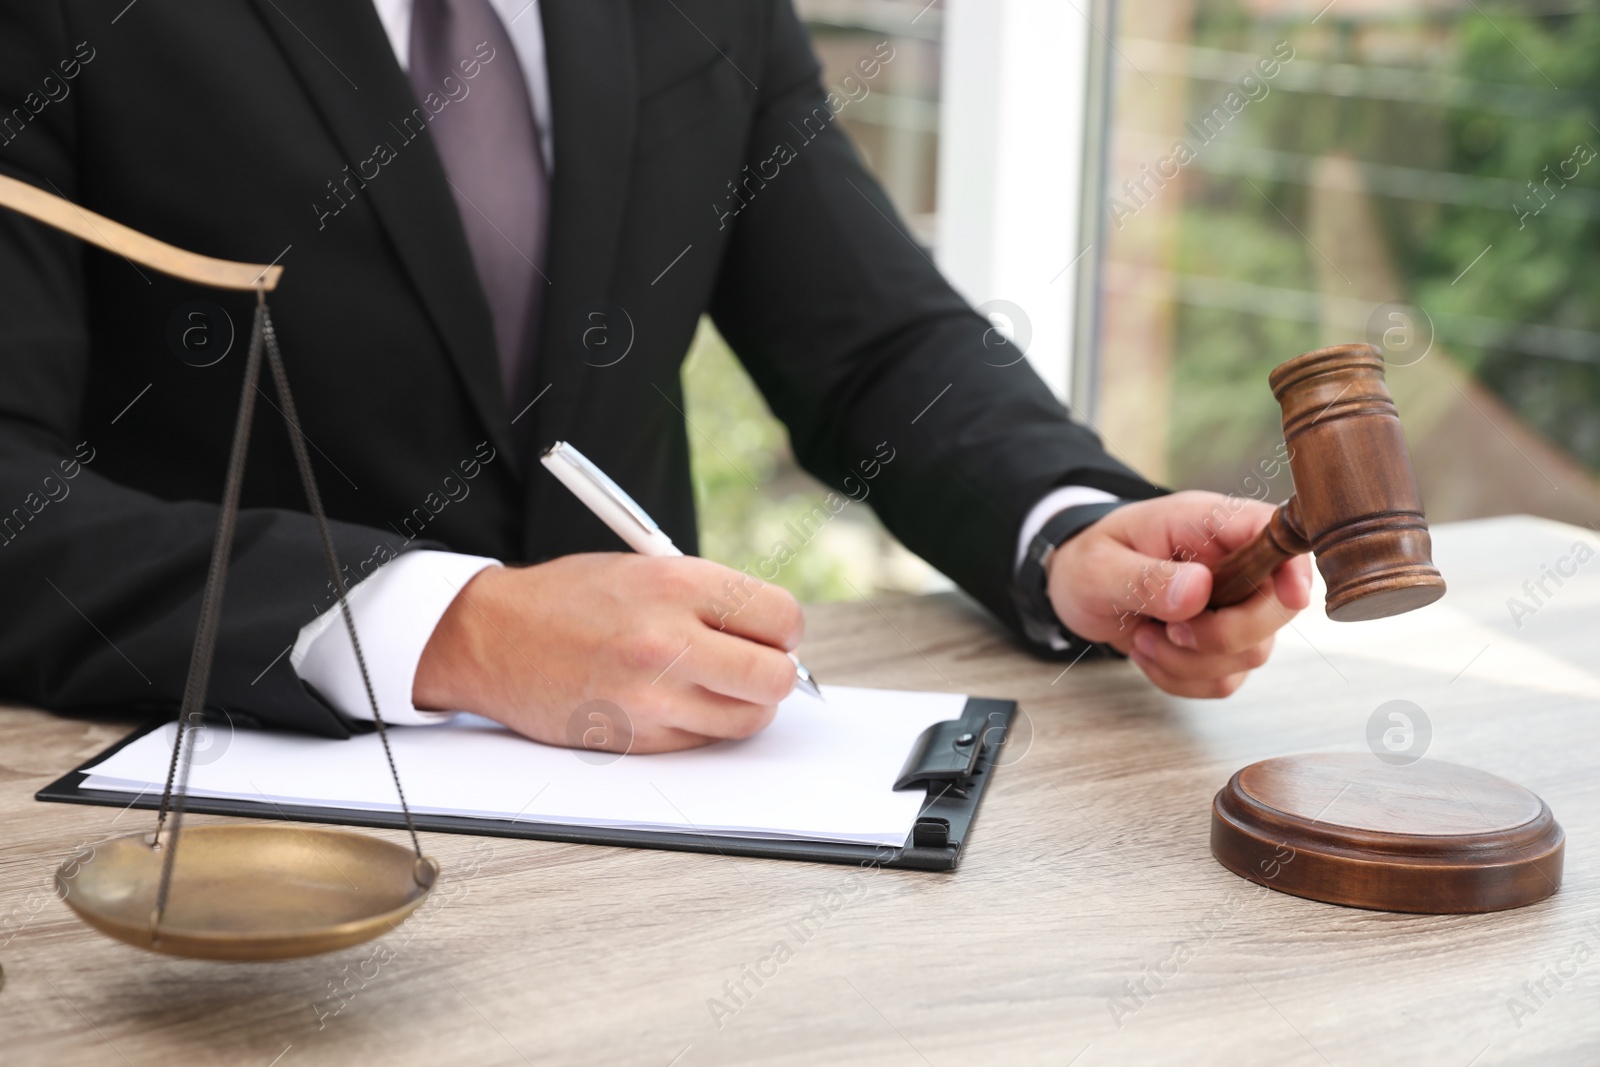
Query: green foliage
point(1541, 268)
point(1500, 119)
point(1221, 415)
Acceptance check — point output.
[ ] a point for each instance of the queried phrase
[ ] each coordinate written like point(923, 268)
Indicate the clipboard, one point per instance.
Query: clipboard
point(952, 760)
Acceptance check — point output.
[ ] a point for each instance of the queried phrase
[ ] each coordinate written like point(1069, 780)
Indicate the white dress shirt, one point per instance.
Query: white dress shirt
point(398, 607)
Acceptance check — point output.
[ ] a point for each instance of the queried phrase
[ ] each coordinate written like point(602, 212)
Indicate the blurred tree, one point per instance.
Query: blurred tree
point(1542, 267)
point(1515, 95)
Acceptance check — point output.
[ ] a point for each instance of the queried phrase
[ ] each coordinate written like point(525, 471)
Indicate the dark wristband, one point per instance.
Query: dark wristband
point(1031, 591)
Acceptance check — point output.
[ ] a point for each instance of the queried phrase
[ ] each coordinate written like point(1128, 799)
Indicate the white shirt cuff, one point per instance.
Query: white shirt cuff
point(395, 612)
point(1054, 503)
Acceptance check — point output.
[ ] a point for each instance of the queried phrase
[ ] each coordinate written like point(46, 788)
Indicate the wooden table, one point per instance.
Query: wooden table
point(1057, 942)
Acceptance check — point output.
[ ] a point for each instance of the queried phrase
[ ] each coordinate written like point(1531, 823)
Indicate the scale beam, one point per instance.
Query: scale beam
point(114, 237)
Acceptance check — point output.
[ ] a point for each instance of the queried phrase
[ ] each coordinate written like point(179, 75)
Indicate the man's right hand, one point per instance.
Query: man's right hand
point(689, 650)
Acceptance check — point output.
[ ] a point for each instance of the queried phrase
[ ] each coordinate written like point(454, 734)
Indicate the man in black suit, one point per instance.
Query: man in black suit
point(382, 151)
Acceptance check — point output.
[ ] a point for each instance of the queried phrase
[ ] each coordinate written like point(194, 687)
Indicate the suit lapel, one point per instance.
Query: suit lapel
point(589, 45)
point(342, 56)
point(593, 103)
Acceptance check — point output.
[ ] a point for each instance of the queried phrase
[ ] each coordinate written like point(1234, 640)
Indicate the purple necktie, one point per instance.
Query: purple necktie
point(488, 140)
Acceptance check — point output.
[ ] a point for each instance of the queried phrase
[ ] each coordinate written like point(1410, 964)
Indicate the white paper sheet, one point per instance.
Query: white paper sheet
point(821, 771)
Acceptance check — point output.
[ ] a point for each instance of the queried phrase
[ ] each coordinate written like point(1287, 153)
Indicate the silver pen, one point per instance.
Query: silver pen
point(628, 520)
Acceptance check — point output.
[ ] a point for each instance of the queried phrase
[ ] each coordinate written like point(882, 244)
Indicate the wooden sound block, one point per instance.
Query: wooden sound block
point(1347, 828)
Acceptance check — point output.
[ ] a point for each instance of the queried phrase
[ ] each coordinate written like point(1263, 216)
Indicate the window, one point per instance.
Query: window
point(1420, 175)
point(1162, 201)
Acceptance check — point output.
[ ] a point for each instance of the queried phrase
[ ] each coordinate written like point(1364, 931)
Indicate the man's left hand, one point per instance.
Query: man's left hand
point(1139, 580)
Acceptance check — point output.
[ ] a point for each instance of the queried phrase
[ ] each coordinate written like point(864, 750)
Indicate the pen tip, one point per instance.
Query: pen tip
point(804, 681)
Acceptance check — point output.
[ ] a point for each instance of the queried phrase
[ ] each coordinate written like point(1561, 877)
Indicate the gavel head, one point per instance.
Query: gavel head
point(1356, 496)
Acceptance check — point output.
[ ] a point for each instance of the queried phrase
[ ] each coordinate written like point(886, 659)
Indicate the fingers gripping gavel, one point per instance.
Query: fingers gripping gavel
point(1356, 505)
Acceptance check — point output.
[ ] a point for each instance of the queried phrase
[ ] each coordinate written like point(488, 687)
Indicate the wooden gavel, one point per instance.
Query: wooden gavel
point(1356, 505)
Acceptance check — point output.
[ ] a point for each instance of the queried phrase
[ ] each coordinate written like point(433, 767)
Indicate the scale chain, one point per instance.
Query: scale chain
point(205, 640)
point(302, 459)
point(262, 337)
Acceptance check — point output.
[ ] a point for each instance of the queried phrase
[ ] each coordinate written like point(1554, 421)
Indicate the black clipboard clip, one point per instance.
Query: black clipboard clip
point(951, 759)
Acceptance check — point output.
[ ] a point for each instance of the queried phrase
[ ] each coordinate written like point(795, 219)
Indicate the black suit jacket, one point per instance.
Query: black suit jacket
point(235, 127)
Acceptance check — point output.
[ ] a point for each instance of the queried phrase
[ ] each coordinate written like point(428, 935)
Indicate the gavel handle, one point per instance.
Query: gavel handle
point(1281, 539)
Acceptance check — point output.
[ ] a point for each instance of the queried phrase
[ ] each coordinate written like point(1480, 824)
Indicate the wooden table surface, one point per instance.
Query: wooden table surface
point(1088, 924)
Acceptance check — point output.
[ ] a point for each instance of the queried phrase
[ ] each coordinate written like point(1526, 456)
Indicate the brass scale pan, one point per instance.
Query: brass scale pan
point(246, 891)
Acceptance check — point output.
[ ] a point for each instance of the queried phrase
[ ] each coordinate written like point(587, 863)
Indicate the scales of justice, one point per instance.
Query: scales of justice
point(1431, 837)
point(242, 891)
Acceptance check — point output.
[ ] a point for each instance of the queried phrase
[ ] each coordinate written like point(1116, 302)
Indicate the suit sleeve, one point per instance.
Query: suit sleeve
point(102, 581)
point(861, 347)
